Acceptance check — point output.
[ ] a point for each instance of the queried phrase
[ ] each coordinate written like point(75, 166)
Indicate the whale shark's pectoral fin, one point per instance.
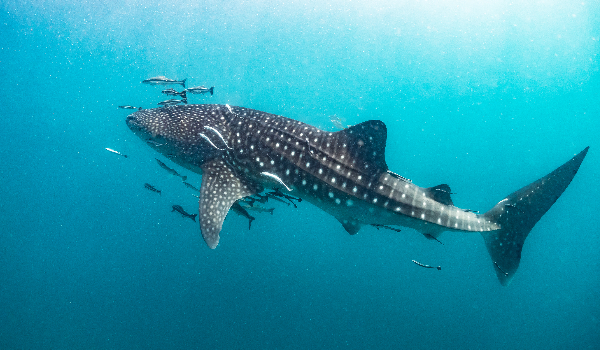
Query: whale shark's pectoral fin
point(221, 187)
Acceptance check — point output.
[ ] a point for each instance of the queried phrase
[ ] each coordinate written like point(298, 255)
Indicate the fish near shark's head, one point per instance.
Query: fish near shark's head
point(197, 137)
point(189, 135)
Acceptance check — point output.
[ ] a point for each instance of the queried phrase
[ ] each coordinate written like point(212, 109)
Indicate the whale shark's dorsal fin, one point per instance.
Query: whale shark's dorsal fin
point(365, 144)
point(221, 187)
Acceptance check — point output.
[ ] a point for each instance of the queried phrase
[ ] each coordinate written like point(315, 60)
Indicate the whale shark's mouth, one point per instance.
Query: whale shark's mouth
point(133, 124)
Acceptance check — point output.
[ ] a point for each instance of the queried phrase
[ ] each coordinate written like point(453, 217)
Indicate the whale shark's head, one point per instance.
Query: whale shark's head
point(189, 135)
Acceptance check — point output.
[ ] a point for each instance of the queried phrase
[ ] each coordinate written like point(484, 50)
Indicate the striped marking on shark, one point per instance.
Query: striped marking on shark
point(241, 152)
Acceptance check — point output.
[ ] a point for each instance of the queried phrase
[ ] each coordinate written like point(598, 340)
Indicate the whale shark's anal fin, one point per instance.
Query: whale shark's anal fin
point(351, 226)
point(221, 187)
point(519, 212)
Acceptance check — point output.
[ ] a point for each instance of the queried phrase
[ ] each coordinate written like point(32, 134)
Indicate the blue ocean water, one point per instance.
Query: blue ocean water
point(483, 96)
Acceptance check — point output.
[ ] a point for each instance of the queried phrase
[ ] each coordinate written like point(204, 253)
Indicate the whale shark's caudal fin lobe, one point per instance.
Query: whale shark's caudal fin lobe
point(221, 187)
point(519, 212)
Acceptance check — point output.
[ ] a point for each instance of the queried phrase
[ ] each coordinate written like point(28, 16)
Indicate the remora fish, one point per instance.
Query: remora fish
point(241, 151)
point(427, 266)
point(172, 102)
point(116, 152)
point(200, 90)
point(152, 188)
point(238, 209)
point(169, 170)
point(162, 80)
point(179, 209)
point(154, 143)
point(189, 185)
point(173, 92)
point(241, 211)
point(257, 208)
point(130, 107)
point(337, 122)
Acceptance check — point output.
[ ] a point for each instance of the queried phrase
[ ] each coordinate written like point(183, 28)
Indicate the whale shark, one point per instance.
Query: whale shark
point(241, 152)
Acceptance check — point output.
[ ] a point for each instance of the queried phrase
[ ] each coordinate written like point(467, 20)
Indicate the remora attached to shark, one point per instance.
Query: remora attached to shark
point(241, 151)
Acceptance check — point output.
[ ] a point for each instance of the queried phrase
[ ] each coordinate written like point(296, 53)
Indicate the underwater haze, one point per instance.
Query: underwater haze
point(485, 96)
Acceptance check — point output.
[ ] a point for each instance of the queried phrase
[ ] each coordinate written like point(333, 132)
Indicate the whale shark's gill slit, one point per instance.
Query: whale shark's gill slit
point(276, 178)
point(209, 141)
point(218, 134)
point(309, 148)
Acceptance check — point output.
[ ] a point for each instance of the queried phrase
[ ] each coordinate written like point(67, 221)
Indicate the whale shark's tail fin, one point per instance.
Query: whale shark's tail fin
point(519, 212)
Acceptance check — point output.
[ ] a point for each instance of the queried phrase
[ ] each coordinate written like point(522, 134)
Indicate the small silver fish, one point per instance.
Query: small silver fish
point(162, 80)
point(238, 209)
point(255, 207)
point(130, 107)
point(189, 185)
point(201, 90)
point(169, 170)
point(428, 266)
point(179, 209)
point(116, 152)
point(173, 92)
point(154, 143)
point(172, 102)
point(152, 188)
point(337, 122)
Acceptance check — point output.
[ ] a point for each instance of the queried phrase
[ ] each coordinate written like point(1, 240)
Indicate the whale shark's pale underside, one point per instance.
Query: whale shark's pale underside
point(241, 152)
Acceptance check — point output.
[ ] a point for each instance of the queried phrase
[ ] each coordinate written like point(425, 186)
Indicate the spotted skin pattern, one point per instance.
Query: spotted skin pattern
point(242, 151)
point(344, 173)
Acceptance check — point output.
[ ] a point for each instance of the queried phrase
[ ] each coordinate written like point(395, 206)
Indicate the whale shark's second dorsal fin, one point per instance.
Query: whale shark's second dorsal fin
point(440, 193)
point(221, 187)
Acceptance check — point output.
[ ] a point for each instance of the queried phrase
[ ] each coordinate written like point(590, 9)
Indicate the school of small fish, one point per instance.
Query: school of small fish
point(162, 80)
